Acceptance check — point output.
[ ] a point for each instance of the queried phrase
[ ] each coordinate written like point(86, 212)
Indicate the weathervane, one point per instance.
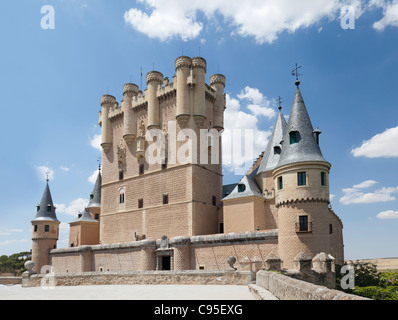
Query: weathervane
point(280, 103)
point(99, 163)
point(295, 72)
point(47, 174)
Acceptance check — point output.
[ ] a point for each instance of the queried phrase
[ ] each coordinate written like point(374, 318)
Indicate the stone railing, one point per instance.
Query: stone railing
point(287, 288)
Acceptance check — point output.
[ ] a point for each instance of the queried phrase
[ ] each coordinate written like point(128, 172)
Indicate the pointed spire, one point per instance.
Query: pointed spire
point(95, 197)
point(299, 143)
point(273, 150)
point(46, 209)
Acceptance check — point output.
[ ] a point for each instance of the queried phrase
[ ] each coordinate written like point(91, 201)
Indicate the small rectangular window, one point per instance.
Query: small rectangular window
point(214, 200)
point(97, 216)
point(165, 199)
point(121, 198)
point(294, 137)
point(280, 183)
point(330, 228)
point(140, 203)
point(221, 227)
point(303, 223)
point(46, 228)
point(241, 187)
point(121, 175)
point(35, 228)
point(141, 169)
point(323, 179)
point(301, 179)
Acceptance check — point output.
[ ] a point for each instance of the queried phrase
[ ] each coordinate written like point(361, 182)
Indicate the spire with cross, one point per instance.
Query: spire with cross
point(295, 72)
point(280, 103)
point(99, 163)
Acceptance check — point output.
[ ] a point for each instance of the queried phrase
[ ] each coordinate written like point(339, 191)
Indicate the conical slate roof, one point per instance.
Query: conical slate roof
point(95, 198)
point(85, 216)
point(271, 156)
point(46, 209)
point(306, 147)
point(251, 188)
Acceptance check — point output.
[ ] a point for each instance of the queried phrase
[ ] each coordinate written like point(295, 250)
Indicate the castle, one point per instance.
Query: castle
point(173, 212)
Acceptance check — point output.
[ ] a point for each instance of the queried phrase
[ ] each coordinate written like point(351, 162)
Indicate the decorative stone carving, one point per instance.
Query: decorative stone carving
point(164, 242)
point(231, 261)
point(121, 153)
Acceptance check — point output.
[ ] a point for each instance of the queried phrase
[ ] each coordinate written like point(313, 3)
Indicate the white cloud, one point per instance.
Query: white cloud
point(382, 145)
point(365, 184)
point(93, 178)
point(355, 194)
point(389, 214)
point(236, 156)
point(390, 11)
point(167, 20)
point(45, 172)
point(75, 206)
point(64, 169)
point(263, 20)
point(95, 142)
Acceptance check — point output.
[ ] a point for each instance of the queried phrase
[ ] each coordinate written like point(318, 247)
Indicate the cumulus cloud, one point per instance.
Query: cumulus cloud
point(73, 209)
point(356, 195)
point(243, 141)
point(389, 214)
point(95, 142)
point(382, 145)
point(263, 20)
point(390, 12)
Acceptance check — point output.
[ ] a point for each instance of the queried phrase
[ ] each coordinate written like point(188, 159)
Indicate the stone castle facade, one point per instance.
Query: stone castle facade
point(174, 213)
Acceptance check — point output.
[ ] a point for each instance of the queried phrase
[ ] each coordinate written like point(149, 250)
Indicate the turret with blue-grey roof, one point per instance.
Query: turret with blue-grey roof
point(45, 231)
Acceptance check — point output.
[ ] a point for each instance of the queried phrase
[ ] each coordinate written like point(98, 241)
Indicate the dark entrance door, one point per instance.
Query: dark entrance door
point(166, 265)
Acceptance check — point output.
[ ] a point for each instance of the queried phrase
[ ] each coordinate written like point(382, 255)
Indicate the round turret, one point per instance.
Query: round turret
point(130, 90)
point(217, 83)
point(182, 67)
point(107, 101)
point(199, 67)
point(154, 79)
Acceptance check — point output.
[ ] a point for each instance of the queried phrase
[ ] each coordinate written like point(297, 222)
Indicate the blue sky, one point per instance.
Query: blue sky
point(51, 82)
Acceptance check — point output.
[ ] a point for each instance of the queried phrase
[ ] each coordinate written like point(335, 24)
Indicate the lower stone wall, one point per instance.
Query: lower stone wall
point(143, 278)
point(287, 288)
point(10, 280)
point(208, 252)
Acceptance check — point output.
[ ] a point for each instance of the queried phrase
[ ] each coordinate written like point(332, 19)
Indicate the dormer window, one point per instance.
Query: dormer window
point(49, 208)
point(294, 137)
point(38, 208)
point(91, 196)
point(277, 150)
point(241, 187)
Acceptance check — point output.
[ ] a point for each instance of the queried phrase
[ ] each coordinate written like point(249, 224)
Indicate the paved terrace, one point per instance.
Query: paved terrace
point(130, 292)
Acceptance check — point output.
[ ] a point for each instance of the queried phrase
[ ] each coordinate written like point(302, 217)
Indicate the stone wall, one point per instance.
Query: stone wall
point(287, 288)
point(10, 280)
point(143, 278)
point(208, 252)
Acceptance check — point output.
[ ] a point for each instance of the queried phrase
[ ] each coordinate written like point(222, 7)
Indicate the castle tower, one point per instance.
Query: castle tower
point(45, 230)
point(217, 83)
point(130, 90)
point(302, 189)
point(179, 194)
point(107, 102)
point(154, 79)
point(182, 68)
